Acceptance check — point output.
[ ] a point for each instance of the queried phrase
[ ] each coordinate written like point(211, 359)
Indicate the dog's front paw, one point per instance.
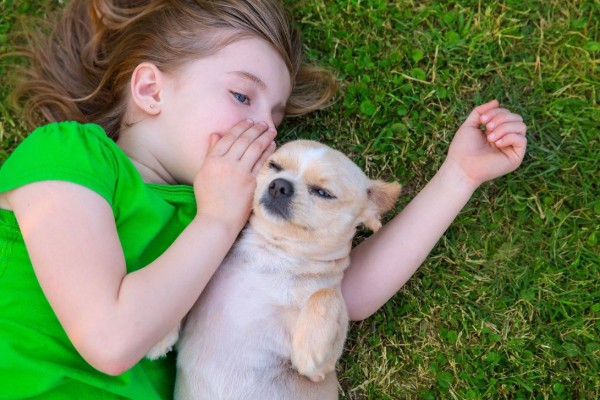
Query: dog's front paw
point(312, 365)
point(319, 335)
point(165, 345)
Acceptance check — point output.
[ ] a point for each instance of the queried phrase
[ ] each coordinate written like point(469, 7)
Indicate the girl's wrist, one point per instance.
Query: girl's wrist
point(217, 225)
point(453, 175)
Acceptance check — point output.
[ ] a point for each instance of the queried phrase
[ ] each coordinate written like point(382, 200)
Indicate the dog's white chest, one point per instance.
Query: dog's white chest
point(237, 338)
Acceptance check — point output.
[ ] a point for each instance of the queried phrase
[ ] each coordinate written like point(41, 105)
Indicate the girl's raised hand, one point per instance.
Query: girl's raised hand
point(485, 155)
point(225, 184)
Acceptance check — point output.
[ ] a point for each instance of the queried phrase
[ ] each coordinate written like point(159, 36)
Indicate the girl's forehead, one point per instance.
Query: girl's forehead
point(248, 49)
point(255, 60)
point(252, 59)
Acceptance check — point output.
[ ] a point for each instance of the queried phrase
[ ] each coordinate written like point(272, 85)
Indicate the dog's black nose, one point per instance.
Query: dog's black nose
point(281, 188)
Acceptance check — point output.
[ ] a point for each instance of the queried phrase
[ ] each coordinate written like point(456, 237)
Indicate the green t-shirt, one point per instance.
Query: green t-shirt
point(37, 360)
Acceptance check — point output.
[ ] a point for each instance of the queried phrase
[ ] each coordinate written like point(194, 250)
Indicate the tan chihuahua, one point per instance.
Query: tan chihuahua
point(272, 322)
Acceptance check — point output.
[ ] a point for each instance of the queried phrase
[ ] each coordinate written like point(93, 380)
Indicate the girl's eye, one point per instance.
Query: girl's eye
point(242, 98)
point(318, 191)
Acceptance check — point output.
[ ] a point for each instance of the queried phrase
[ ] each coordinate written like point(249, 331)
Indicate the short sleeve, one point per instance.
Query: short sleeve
point(64, 151)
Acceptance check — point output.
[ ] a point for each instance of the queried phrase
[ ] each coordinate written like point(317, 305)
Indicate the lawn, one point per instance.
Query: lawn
point(507, 306)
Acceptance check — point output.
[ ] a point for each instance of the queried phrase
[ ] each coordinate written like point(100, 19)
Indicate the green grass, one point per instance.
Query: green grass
point(508, 304)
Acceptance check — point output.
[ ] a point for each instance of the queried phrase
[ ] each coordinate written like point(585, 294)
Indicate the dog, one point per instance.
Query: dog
point(272, 322)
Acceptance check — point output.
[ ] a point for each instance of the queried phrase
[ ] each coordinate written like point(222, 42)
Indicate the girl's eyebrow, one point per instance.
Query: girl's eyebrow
point(250, 77)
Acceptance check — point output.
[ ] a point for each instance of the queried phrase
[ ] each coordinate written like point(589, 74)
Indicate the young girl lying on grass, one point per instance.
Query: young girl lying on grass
point(114, 216)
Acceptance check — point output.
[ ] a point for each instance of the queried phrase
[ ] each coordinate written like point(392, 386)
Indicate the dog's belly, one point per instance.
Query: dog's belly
point(236, 340)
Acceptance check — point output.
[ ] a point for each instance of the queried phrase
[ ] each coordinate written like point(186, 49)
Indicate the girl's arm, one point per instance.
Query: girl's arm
point(383, 263)
point(113, 318)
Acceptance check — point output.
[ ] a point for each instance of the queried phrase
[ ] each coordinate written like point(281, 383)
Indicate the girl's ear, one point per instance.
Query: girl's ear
point(382, 197)
point(146, 88)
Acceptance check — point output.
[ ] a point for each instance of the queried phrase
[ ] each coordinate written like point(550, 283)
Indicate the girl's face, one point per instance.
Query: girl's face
point(246, 79)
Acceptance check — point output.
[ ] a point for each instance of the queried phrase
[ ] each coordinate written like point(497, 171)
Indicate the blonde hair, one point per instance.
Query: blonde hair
point(80, 69)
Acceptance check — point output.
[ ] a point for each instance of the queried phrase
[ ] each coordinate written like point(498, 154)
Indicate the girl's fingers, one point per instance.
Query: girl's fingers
point(261, 161)
point(246, 140)
point(512, 139)
point(214, 139)
point(228, 139)
point(245, 143)
point(484, 108)
point(497, 117)
point(513, 145)
point(474, 119)
point(517, 127)
point(256, 150)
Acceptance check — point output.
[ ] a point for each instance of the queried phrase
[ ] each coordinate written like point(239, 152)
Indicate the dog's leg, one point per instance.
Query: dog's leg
point(165, 345)
point(319, 334)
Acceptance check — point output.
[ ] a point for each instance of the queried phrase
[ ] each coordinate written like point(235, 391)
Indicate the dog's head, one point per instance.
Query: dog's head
point(311, 198)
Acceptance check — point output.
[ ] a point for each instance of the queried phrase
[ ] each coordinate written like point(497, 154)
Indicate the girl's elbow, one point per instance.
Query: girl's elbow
point(112, 363)
point(112, 367)
point(358, 309)
point(111, 357)
point(358, 315)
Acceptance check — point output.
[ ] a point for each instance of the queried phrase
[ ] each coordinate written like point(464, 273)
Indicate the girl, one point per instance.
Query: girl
point(112, 224)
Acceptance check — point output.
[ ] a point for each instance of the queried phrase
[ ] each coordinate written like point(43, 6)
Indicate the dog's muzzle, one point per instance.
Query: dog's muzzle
point(277, 199)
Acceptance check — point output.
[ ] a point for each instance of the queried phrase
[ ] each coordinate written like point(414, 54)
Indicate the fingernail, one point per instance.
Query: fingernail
point(249, 121)
point(491, 137)
point(484, 118)
point(491, 125)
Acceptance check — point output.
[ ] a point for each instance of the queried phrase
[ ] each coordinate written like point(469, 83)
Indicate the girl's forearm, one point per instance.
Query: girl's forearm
point(383, 263)
point(152, 300)
point(195, 255)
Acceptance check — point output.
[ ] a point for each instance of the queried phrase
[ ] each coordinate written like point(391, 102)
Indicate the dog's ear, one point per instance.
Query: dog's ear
point(382, 197)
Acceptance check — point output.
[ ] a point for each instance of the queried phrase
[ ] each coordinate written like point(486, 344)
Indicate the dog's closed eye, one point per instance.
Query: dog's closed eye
point(320, 192)
point(274, 166)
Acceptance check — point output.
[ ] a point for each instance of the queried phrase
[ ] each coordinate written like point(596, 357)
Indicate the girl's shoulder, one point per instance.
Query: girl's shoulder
point(69, 151)
point(79, 139)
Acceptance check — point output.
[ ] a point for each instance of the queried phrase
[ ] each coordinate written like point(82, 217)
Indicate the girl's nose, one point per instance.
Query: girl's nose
point(267, 118)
